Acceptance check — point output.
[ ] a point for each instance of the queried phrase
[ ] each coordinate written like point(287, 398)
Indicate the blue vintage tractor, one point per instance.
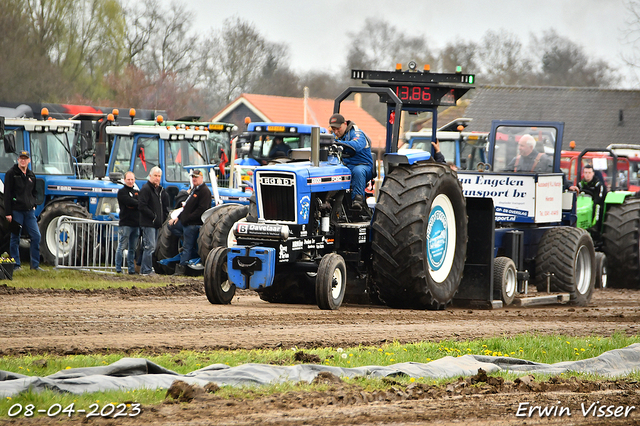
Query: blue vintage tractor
point(60, 190)
point(302, 242)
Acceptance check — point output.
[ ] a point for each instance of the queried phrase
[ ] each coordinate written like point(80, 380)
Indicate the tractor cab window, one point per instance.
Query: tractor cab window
point(50, 154)
point(146, 156)
point(472, 152)
point(447, 147)
point(121, 162)
point(183, 153)
point(7, 160)
point(269, 147)
point(217, 144)
point(524, 149)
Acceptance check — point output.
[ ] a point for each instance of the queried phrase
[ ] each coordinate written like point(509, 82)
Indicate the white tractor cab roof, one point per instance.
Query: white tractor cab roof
point(631, 151)
point(33, 125)
point(164, 132)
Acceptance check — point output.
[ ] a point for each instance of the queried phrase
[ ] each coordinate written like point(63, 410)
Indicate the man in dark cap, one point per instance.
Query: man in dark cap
point(361, 163)
point(189, 221)
point(20, 205)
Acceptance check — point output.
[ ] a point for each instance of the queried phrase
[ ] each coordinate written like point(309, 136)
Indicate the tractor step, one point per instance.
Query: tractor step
point(547, 299)
point(355, 225)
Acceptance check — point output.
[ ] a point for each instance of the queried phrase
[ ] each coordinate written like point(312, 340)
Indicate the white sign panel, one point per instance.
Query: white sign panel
point(513, 196)
point(549, 199)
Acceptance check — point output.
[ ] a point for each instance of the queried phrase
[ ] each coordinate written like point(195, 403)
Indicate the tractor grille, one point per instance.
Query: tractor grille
point(277, 192)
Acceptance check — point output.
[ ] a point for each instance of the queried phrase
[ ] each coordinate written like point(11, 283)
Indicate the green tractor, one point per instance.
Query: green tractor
point(614, 223)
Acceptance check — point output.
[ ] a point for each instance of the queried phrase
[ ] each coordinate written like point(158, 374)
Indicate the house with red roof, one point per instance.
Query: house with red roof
point(280, 109)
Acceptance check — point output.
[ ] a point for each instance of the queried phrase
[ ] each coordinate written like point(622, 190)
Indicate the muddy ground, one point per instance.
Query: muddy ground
point(178, 316)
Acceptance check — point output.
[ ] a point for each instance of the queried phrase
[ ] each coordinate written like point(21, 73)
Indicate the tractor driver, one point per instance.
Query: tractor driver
point(279, 148)
point(593, 186)
point(529, 160)
point(361, 163)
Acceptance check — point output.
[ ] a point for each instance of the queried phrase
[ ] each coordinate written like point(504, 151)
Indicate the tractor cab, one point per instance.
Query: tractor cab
point(218, 142)
point(263, 143)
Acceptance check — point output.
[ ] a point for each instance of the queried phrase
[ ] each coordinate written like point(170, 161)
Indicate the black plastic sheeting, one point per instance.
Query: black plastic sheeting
point(139, 373)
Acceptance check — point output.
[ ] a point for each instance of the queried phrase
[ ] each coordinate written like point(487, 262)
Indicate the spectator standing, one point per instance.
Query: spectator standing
point(188, 222)
point(129, 225)
point(20, 205)
point(153, 204)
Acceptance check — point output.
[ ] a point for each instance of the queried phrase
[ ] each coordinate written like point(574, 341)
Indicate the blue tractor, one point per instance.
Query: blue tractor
point(256, 147)
point(175, 147)
point(302, 242)
point(60, 191)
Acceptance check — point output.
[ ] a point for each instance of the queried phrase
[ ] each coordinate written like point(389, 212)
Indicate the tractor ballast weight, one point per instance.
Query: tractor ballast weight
point(304, 243)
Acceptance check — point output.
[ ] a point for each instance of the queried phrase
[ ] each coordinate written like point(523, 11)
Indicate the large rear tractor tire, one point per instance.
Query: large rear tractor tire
point(216, 230)
point(69, 242)
point(419, 237)
point(166, 248)
point(218, 288)
point(568, 254)
point(621, 234)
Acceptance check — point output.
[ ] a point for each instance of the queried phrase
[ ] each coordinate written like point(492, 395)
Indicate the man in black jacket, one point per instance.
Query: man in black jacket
point(20, 206)
point(153, 204)
point(593, 186)
point(128, 227)
point(188, 222)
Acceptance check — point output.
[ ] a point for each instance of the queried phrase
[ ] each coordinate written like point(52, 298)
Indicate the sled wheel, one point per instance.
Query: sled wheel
point(568, 254)
point(505, 280)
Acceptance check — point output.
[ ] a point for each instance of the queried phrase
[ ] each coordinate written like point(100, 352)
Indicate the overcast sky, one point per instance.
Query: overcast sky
point(316, 32)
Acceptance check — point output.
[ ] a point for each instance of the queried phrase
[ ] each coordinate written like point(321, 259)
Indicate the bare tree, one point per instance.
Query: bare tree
point(564, 63)
point(502, 60)
point(141, 20)
point(379, 45)
point(26, 72)
point(460, 53)
point(241, 59)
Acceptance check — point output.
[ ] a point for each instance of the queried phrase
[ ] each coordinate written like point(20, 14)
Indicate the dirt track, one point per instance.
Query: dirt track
point(179, 317)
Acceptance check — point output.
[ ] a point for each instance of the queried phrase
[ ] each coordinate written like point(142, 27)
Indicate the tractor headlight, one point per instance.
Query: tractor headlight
point(107, 206)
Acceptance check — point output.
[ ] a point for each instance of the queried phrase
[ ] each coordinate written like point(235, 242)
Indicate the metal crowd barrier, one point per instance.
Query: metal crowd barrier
point(86, 244)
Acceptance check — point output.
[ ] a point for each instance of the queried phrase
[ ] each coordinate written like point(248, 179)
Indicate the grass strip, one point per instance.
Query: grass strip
point(544, 349)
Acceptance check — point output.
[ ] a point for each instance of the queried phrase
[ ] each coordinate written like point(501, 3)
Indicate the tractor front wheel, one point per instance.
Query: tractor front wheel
point(218, 288)
point(331, 282)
